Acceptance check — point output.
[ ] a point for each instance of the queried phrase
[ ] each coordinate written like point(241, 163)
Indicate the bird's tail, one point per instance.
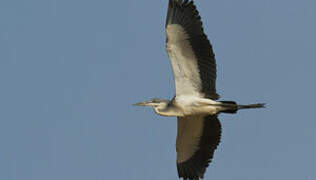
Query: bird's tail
point(251, 106)
point(233, 107)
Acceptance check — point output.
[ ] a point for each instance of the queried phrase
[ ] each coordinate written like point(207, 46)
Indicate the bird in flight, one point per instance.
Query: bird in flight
point(195, 102)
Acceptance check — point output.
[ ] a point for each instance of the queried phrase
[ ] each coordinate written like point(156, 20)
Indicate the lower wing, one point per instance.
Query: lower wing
point(197, 139)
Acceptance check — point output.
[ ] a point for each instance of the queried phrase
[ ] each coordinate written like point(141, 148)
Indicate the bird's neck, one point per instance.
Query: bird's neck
point(167, 112)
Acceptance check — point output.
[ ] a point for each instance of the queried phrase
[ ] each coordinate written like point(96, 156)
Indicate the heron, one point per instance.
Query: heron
point(195, 103)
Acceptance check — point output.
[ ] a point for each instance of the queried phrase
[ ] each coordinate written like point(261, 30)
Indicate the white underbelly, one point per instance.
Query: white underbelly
point(203, 110)
point(197, 106)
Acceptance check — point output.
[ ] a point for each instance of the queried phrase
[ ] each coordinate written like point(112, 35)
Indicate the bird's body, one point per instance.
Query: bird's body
point(195, 104)
point(181, 106)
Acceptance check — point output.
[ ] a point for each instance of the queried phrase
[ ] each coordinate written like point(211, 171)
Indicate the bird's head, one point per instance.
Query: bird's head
point(155, 103)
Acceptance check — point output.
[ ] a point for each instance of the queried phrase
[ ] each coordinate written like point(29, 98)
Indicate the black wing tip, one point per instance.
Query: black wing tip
point(181, 2)
point(187, 170)
point(179, 5)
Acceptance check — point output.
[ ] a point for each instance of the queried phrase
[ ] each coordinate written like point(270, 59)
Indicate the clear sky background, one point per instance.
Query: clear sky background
point(70, 71)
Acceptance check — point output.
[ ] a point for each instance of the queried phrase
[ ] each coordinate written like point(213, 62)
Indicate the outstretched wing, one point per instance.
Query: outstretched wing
point(197, 139)
point(190, 52)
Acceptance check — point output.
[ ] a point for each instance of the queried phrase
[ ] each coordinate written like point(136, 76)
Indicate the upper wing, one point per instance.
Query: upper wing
point(190, 52)
point(197, 139)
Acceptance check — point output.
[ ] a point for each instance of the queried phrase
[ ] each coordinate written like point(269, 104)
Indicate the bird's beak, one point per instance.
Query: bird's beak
point(139, 104)
point(142, 104)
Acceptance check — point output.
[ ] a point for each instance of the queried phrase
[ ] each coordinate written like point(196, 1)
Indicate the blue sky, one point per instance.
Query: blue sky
point(70, 71)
